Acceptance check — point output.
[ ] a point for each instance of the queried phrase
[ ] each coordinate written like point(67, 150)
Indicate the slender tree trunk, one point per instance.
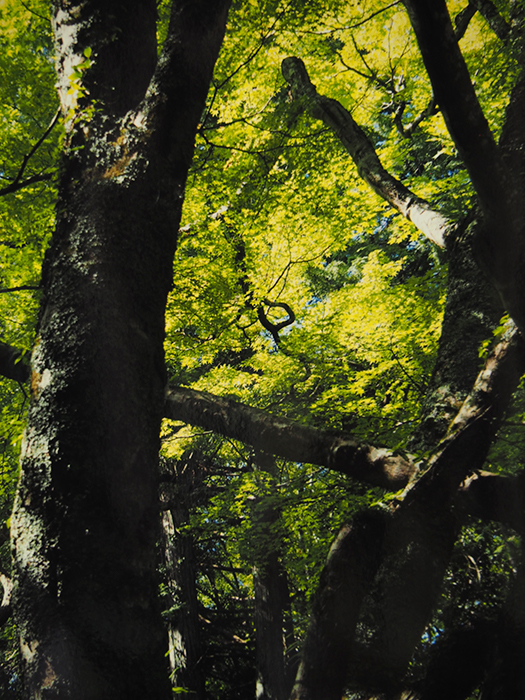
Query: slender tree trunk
point(270, 591)
point(185, 648)
point(271, 600)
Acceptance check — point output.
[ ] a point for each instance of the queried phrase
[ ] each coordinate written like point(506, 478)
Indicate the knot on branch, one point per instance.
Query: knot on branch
point(274, 328)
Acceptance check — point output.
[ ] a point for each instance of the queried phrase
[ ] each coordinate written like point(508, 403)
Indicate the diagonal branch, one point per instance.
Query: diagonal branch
point(18, 183)
point(288, 439)
point(496, 22)
point(472, 432)
point(424, 526)
point(432, 224)
point(458, 102)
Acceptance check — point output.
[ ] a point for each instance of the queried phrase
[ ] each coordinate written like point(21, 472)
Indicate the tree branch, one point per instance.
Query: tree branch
point(459, 104)
point(493, 18)
point(20, 288)
point(182, 76)
point(431, 223)
point(18, 183)
point(461, 22)
point(274, 328)
point(424, 526)
point(460, 453)
point(16, 186)
point(288, 439)
point(472, 432)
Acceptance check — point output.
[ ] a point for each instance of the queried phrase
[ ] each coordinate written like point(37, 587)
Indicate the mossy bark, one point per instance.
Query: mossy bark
point(86, 517)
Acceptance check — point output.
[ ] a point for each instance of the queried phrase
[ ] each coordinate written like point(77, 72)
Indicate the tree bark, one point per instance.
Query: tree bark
point(288, 439)
point(346, 579)
point(430, 222)
point(271, 599)
point(85, 522)
point(472, 312)
point(499, 241)
point(184, 638)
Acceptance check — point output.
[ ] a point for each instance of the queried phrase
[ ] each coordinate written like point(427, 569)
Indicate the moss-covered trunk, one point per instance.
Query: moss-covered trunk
point(86, 517)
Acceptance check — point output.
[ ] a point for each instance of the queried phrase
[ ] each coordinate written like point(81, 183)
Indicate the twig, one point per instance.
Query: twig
point(18, 183)
point(21, 288)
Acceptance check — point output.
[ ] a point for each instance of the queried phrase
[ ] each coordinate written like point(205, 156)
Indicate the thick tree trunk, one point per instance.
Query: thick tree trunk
point(85, 522)
point(472, 312)
point(86, 517)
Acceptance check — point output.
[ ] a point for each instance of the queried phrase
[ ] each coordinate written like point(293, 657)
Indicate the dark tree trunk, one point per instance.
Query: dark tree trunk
point(472, 311)
point(85, 522)
point(271, 600)
point(184, 637)
point(346, 579)
point(271, 593)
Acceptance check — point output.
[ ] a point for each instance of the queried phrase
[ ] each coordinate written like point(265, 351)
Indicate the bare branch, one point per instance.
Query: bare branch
point(18, 183)
point(432, 224)
point(15, 187)
point(21, 288)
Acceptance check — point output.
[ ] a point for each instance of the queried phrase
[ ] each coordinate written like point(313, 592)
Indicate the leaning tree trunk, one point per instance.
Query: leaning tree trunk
point(85, 522)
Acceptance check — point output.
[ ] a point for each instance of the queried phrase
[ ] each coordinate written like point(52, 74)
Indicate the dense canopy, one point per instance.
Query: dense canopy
point(339, 484)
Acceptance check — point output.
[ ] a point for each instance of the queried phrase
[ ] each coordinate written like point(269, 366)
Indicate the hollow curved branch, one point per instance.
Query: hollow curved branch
point(274, 328)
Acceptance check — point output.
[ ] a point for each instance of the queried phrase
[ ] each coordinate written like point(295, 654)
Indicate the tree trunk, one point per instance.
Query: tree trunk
point(270, 592)
point(271, 600)
point(185, 648)
point(347, 577)
point(85, 522)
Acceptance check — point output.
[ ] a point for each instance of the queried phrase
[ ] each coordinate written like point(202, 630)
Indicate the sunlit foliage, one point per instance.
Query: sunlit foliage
point(275, 213)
